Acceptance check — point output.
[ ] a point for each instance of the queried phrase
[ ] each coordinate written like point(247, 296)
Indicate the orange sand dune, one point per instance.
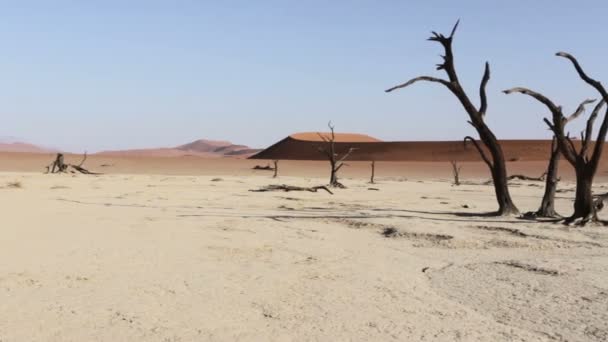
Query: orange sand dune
point(340, 137)
point(305, 147)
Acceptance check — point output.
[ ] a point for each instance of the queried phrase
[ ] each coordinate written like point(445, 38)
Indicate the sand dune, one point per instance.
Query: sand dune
point(22, 147)
point(304, 147)
point(339, 137)
point(200, 148)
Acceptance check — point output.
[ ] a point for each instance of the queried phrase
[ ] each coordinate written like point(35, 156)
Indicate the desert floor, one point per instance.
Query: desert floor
point(132, 257)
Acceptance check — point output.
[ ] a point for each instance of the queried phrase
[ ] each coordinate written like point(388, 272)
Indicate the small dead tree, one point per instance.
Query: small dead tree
point(455, 172)
point(276, 168)
point(59, 166)
point(336, 159)
point(496, 160)
point(373, 166)
point(585, 166)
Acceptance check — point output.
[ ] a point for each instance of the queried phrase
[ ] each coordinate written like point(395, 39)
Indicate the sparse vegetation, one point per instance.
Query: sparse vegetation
point(585, 163)
point(455, 172)
point(14, 185)
point(59, 166)
point(336, 158)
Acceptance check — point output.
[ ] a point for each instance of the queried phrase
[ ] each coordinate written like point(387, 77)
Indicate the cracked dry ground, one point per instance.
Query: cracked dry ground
point(161, 258)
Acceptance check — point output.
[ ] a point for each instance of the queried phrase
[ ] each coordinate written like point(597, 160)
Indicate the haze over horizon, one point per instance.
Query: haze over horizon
point(117, 75)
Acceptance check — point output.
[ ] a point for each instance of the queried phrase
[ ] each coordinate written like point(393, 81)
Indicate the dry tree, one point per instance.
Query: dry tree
point(59, 166)
point(336, 159)
point(550, 176)
point(276, 168)
point(455, 172)
point(373, 167)
point(584, 161)
point(496, 160)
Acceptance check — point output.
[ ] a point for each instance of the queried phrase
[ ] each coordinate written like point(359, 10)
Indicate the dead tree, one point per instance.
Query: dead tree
point(496, 160)
point(59, 166)
point(585, 165)
point(276, 168)
point(336, 159)
point(455, 172)
point(373, 165)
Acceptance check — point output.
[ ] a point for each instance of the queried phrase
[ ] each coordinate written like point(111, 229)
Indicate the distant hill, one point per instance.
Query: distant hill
point(11, 144)
point(199, 148)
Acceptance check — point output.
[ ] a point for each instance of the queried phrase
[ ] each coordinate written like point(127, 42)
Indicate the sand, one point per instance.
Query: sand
point(148, 257)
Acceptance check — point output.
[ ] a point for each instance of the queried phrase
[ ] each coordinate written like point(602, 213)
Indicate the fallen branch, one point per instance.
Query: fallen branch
point(528, 178)
point(288, 188)
point(265, 168)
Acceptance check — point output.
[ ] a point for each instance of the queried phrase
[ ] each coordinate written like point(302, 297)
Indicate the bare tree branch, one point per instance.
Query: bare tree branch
point(481, 152)
point(454, 29)
point(589, 129)
point(483, 107)
point(579, 110)
point(538, 96)
point(417, 79)
point(83, 159)
point(595, 84)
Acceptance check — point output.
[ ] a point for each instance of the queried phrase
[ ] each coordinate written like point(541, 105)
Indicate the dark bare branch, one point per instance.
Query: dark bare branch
point(570, 143)
point(483, 107)
point(589, 128)
point(324, 138)
point(350, 151)
point(417, 79)
point(536, 95)
point(454, 29)
point(331, 128)
point(83, 159)
point(581, 73)
point(579, 110)
point(481, 152)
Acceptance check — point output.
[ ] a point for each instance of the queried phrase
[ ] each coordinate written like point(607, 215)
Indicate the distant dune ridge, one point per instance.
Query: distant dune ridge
point(199, 148)
point(303, 146)
point(12, 144)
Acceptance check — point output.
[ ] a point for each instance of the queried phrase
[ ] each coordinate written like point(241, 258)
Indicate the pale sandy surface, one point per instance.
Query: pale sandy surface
point(189, 258)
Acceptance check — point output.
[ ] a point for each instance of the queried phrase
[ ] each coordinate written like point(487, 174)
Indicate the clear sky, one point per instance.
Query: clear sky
point(111, 74)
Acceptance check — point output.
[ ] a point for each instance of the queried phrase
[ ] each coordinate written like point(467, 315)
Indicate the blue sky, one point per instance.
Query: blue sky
point(109, 74)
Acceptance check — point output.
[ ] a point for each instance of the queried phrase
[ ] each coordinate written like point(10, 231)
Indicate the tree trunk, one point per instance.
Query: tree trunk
point(498, 171)
point(547, 206)
point(584, 206)
point(373, 172)
point(333, 179)
point(59, 164)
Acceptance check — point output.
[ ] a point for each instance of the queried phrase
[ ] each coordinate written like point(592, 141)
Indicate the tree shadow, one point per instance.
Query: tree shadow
point(464, 214)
